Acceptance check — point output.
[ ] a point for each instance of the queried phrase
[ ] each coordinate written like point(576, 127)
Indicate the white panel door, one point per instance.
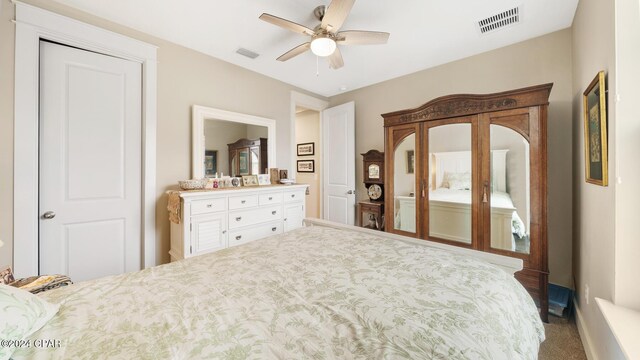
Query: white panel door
point(90, 163)
point(339, 171)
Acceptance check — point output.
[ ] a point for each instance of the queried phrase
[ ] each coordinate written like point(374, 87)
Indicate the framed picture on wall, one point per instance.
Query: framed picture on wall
point(306, 149)
point(306, 166)
point(595, 131)
point(411, 161)
point(210, 162)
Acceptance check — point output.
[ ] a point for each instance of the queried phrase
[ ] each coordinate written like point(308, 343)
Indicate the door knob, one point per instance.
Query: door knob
point(48, 215)
point(350, 192)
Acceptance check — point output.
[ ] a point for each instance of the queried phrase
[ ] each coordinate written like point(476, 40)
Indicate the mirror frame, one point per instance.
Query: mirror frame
point(201, 113)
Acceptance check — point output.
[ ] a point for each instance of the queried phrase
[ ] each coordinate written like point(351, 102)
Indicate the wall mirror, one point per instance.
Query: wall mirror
point(231, 143)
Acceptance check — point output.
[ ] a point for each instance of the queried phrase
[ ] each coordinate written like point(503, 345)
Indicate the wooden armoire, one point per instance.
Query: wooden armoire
point(471, 171)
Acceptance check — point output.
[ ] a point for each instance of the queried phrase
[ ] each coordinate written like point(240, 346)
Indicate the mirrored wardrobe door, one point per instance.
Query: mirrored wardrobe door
point(403, 167)
point(510, 190)
point(404, 185)
point(449, 181)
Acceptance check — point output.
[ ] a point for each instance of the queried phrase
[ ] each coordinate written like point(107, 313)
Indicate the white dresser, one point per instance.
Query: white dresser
point(217, 219)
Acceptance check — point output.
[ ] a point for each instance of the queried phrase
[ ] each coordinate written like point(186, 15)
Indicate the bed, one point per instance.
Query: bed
point(324, 291)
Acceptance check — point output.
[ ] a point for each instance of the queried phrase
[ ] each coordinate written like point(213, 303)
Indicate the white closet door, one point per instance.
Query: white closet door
point(90, 163)
point(339, 172)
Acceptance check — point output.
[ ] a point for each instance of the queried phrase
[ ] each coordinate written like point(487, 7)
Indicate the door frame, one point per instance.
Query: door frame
point(32, 25)
point(315, 104)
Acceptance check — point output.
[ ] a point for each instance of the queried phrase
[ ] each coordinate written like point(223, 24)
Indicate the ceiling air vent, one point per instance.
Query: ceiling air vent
point(248, 53)
point(498, 21)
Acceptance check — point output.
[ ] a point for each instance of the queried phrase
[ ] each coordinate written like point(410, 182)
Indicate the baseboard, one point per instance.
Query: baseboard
point(584, 333)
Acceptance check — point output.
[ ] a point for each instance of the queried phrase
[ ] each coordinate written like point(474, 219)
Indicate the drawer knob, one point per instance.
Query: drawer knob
point(224, 231)
point(274, 228)
point(209, 205)
point(285, 219)
point(243, 201)
point(273, 212)
point(238, 237)
point(293, 195)
point(239, 218)
point(270, 198)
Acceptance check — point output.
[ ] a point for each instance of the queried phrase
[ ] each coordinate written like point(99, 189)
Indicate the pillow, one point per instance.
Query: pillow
point(457, 181)
point(22, 314)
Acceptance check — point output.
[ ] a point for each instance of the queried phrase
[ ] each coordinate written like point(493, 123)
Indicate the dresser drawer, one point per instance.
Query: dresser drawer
point(208, 206)
point(269, 199)
point(293, 196)
point(243, 236)
point(242, 202)
point(238, 219)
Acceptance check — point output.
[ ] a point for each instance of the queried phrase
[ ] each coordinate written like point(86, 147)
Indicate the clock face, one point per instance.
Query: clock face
point(374, 171)
point(375, 192)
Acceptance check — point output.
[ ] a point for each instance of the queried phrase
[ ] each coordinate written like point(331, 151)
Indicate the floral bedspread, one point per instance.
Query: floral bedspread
point(312, 293)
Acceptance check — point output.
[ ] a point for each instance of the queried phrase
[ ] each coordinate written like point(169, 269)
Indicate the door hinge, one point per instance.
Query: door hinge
point(190, 227)
point(190, 249)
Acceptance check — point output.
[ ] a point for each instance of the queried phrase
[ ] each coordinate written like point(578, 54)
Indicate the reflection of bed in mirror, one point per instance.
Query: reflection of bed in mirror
point(450, 200)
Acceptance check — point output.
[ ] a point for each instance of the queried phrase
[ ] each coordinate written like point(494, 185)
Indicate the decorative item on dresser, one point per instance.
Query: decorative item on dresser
point(207, 221)
point(248, 157)
point(465, 148)
point(371, 213)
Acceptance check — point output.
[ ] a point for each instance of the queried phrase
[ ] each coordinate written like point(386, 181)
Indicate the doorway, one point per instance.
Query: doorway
point(308, 157)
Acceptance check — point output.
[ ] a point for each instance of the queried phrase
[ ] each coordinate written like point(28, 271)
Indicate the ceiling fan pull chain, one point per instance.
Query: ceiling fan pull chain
point(317, 66)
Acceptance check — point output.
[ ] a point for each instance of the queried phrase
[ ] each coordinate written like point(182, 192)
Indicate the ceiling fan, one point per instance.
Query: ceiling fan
point(326, 36)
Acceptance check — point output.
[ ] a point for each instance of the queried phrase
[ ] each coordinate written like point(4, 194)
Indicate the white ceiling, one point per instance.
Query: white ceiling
point(424, 33)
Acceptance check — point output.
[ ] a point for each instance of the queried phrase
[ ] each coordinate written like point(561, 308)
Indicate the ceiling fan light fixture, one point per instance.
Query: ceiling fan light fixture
point(323, 46)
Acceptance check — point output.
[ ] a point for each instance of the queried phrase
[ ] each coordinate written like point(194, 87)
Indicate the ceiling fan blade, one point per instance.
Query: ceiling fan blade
point(284, 23)
point(295, 51)
point(335, 59)
point(335, 14)
point(357, 37)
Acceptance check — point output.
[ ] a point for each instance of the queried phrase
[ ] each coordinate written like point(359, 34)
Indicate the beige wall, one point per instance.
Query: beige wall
point(627, 147)
point(308, 130)
point(185, 77)
point(606, 247)
point(594, 206)
point(536, 61)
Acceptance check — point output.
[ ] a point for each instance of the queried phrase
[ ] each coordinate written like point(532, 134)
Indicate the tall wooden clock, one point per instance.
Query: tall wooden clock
point(373, 163)
point(371, 212)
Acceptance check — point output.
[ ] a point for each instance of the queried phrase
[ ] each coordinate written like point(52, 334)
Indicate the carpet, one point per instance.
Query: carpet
point(562, 340)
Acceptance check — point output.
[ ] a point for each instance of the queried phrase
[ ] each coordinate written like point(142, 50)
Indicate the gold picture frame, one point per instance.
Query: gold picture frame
point(250, 180)
point(595, 131)
point(411, 161)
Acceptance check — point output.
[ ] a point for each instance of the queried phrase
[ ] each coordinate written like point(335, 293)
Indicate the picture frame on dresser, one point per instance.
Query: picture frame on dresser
point(264, 179)
point(595, 131)
point(250, 180)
